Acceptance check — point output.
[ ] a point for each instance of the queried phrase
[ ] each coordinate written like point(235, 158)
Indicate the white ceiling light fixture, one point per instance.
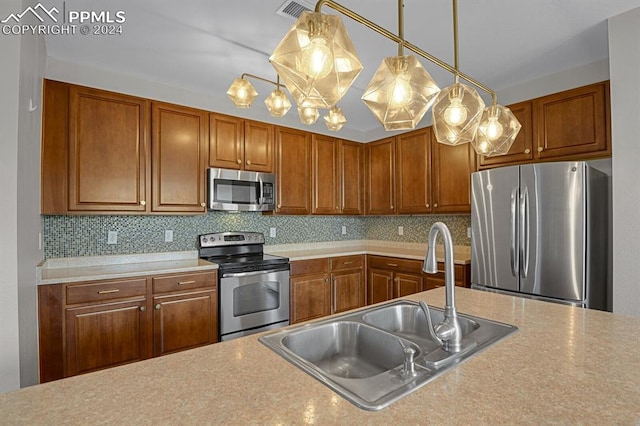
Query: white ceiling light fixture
point(318, 64)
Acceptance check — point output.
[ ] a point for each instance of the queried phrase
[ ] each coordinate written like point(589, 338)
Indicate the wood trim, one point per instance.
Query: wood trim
point(54, 146)
point(50, 332)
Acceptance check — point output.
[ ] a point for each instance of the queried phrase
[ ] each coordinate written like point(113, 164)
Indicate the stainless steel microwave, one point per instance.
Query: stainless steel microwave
point(239, 190)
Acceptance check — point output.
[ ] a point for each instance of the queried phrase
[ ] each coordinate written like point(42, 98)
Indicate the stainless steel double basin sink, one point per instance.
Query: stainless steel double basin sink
point(361, 355)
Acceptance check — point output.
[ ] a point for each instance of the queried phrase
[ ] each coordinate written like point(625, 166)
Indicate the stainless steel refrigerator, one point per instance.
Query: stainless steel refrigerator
point(542, 231)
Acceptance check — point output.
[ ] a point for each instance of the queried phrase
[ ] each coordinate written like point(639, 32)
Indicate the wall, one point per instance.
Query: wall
point(9, 88)
point(624, 39)
point(66, 236)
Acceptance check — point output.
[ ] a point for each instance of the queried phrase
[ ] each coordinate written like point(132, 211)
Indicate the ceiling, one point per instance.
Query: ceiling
point(202, 45)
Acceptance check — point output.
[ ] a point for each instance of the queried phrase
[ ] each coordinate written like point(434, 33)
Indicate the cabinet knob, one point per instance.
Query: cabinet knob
point(202, 204)
point(143, 203)
point(435, 205)
point(391, 206)
point(427, 205)
point(279, 206)
point(526, 151)
point(143, 308)
point(326, 280)
point(540, 149)
point(248, 162)
point(157, 307)
point(239, 161)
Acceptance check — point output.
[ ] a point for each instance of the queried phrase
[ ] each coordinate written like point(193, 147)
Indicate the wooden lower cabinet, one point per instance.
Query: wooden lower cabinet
point(462, 277)
point(390, 278)
point(89, 326)
point(321, 287)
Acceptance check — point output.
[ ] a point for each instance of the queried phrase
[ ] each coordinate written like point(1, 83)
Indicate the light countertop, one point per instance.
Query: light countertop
point(565, 365)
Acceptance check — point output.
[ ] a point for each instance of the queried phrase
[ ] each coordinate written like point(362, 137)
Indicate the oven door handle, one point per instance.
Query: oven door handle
point(252, 273)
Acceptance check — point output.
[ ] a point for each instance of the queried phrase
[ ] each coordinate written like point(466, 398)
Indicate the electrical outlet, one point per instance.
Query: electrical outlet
point(469, 232)
point(272, 232)
point(344, 230)
point(112, 237)
point(168, 236)
point(400, 230)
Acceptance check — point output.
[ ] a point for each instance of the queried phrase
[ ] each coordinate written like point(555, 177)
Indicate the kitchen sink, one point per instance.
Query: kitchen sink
point(361, 355)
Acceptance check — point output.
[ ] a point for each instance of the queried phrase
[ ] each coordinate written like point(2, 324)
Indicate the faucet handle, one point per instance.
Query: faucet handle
point(409, 369)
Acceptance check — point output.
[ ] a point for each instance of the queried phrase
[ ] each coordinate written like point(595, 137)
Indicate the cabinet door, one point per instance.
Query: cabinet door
point(184, 321)
point(258, 146)
point(293, 177)
point(406, 284)
point(380, 182)
point(432, 281)
point(522, 149)
point(451, 172)
point(379, 286)
point(106, 335)
point(226, 135)
point(108, 151)
point(347, 290)
point(413, 172)
point(179, 159)
point(573, 122)
point(310, 297)
point(351, 177)
point(325, 175)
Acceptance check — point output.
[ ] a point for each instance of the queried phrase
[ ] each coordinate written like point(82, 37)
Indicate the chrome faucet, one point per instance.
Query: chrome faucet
point(448, 332)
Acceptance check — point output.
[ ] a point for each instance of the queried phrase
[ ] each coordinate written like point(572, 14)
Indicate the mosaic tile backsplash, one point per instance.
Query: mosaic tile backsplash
point(71, 236)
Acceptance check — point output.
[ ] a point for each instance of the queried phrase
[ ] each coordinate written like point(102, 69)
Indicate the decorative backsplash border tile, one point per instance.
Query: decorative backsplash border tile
point(73, 236)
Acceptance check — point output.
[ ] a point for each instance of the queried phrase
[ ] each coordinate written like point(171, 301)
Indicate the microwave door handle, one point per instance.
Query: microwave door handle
point(261, 198)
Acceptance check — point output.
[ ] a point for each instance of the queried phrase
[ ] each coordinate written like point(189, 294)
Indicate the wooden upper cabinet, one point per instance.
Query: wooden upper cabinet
point(380, 177)
point(351, 172)
point(522, 149)
point(573, 122)
point(108, 150)
point(226, 135)
point(413, 172)
point(451, 168)
point(324, 163)
point(179, 158)
point(258, 146)
point(240, 144)
point(293, 171)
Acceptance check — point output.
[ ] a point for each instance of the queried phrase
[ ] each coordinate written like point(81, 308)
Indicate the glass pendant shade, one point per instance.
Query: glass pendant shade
point(308, 115)
point(456, 114)
point(497, 130)
point(316, 60)
point(400, 92)
point(335, 119)
point(242, 93)
point(277, 103)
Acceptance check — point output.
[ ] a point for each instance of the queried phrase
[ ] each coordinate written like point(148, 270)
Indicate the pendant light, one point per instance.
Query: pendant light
point(335, 119)
point(497, 130)
point(401, 90)
point(242, 92)
point(456, 114)
point(316, 60)
point(308, 115)
point(277, 102)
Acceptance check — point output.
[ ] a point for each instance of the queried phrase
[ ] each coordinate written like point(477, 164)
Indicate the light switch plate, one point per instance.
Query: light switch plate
point(112, 237)
point(400, 230)
point(272, 232)
point(344, 230)
point(168, 236)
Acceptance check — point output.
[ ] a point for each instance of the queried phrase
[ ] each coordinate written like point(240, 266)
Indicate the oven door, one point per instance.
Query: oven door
point(253, 300)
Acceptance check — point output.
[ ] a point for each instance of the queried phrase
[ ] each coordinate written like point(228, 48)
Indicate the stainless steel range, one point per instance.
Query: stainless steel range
point(253, 286)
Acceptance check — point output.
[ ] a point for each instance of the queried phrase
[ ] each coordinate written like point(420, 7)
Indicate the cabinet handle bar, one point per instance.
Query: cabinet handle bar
point(186, 282)
point(115, 290)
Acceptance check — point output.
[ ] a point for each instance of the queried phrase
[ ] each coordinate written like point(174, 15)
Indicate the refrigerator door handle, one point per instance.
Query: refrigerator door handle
point(514, 231)
point(524, 232)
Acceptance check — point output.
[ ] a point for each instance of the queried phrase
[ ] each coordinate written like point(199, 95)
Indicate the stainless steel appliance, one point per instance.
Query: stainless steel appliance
point(239, 190)
point(253, 287)
point(541, 231)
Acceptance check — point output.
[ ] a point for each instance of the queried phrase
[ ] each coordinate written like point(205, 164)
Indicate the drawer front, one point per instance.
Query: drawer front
point(180, 282)
point(312, 266)
point(347, 262)
point(457, 269)
point(105, 290)
point(396, 264)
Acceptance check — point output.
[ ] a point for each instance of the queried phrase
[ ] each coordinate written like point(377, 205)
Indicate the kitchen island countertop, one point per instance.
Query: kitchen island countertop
point(564, 365)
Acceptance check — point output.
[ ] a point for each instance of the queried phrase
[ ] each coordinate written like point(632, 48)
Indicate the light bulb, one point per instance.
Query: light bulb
point(493, 129)
point(317, 59)
point(308, 115)
point(456, 113)
point(401, 93)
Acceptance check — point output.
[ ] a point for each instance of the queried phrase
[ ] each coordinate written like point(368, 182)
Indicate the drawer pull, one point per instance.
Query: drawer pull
point(347, 263)
point(115, 290)
point(186, 282)
point(392, 264)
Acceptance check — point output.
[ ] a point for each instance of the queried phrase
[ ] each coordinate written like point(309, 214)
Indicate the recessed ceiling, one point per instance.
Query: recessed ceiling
point(202, 45)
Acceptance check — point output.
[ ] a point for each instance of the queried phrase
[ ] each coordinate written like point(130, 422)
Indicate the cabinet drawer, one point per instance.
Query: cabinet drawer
point(346, 262)
point(105, 290)
point(183, 282)
point(395, 264)
point(312, 266)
